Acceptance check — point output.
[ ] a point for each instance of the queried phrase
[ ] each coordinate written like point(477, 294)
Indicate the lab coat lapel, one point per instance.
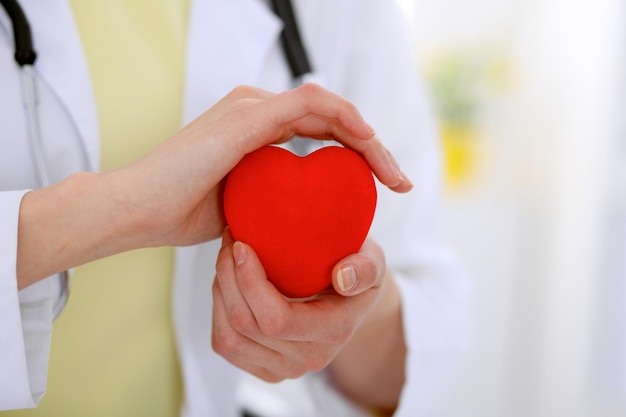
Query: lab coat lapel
point(220, 55)
point(62, 65)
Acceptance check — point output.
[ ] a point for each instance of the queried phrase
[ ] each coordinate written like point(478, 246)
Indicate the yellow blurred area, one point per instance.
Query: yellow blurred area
point(461, 154)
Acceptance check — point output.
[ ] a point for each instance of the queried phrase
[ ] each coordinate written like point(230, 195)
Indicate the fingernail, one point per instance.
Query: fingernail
point(346, 278)
point(395, 167)
point(240, 253)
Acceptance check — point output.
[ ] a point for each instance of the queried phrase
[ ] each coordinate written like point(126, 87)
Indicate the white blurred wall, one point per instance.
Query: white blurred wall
point(539, 225)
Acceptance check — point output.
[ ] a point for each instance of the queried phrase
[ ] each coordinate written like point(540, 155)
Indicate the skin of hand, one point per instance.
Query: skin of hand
point(171, 196)
point(353, 330)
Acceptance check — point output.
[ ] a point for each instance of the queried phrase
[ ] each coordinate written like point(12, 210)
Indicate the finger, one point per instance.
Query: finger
point(239, 350)
point(313, 111)
point(237, 311)
point(312, 99)
point(250, 275)
point(268, 357)
point(273, 118)
point(328, 319)
point(324, 124)
point(378, 157)
point(361, 271)
point(384, 165)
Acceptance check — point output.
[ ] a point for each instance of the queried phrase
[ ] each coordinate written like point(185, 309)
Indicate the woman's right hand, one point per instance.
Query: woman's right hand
point(172, 195)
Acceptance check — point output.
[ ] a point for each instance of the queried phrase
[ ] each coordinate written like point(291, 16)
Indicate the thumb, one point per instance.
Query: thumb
point(361, 271)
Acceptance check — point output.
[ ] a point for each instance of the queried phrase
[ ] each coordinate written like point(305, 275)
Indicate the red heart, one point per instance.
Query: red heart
point(300, 214)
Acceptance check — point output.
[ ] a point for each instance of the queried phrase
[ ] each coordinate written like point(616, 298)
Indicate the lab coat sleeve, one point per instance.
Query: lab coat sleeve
point(25, 319)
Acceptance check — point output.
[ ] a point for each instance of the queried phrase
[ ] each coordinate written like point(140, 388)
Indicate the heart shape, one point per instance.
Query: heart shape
point(301, 215)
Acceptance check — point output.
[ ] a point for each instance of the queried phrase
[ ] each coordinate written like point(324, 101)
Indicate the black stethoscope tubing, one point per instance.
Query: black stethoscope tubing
point(294, 49)
point(24, 52)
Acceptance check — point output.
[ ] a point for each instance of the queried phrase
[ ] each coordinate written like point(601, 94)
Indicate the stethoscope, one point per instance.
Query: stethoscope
point(25, 56)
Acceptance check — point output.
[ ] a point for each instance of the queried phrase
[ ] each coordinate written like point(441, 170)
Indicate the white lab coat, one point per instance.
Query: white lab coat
point(358, 50)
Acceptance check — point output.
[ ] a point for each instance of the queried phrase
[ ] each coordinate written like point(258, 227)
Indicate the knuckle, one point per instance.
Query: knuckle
point(351, 107)
point(315, 363)
point(225, 343)
point(215, 288)
point(242, 321)
point(309, 89)
point(270, 377)
point(295, 372)
point(216, 344)
point(243, 91)
point(274, 325)
point(245, 102)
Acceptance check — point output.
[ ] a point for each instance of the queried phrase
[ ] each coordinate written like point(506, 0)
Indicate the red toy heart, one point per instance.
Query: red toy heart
point(300, 214)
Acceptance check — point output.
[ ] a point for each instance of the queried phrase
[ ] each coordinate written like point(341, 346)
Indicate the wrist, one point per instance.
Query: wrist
point(77, 220)
point(370, 367)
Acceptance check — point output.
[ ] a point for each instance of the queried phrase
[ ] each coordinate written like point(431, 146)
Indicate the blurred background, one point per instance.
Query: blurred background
point(530, 96)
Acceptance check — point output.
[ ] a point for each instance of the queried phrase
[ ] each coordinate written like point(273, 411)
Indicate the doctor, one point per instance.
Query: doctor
point(189, 57)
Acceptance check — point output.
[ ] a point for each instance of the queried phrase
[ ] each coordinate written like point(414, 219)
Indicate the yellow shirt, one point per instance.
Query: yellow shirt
point(113, 351)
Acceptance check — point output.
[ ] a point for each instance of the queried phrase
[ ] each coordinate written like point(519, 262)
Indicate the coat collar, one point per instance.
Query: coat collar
point(222, 54)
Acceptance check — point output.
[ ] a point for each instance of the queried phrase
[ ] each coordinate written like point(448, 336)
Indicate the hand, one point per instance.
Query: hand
point(179, 177)
point(260, 331)
point(171, 195)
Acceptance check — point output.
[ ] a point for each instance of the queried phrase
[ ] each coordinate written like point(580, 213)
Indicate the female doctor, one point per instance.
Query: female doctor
point(114, 73)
